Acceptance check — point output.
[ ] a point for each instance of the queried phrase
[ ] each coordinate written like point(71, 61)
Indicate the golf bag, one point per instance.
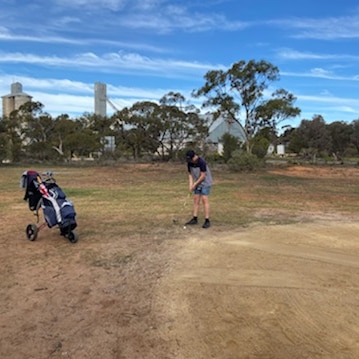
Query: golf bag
point(43, 192)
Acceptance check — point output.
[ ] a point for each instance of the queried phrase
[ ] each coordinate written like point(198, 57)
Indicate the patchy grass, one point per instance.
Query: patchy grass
point(136, 282)
point(141, 199)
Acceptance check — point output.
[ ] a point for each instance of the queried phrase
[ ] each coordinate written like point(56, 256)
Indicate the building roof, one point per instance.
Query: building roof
point(19, 94)
point(16, 91)
point(220, 127)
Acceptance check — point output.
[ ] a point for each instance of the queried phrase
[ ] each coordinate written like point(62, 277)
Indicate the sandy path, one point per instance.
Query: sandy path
point(287, 291)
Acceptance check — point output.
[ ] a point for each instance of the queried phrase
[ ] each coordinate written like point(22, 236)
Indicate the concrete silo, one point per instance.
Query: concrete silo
point(100, 99)
point(15, 99)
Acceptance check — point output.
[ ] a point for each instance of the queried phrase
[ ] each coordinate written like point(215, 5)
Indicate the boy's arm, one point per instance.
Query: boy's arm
point(192, 184)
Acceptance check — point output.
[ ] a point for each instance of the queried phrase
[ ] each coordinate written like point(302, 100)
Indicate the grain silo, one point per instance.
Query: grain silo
point(15, 99)
point(100, 99)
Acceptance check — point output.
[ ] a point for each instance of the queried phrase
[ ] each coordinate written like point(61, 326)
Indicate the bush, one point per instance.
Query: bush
point(260, 147)
point(243, 161)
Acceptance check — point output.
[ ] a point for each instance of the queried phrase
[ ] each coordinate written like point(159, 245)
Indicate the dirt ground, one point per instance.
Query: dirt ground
point(265, 291)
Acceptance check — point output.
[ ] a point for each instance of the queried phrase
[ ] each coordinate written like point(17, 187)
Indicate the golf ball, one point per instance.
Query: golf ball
point(184, 227)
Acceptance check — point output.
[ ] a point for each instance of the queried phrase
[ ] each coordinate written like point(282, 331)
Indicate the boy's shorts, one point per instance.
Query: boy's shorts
point(204, 191)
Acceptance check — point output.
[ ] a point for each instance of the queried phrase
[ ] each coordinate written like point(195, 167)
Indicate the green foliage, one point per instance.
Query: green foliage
point(4, 142)
point(260, 147)
point(315, 139)
point(262, 140)
point(243, 161)
point(354, 137)
point(164, 130)
point(241, 89)
point(230, 144)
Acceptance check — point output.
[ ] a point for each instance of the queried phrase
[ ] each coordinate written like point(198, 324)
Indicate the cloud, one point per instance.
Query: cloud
point(330, 28)
point(115, 62)
point(290, 54)
point(7, 35)
point(320, 73)
point(114, 5)
point(175, 17)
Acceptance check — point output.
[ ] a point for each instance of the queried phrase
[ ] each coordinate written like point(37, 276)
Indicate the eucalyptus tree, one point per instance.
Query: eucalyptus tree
point(354, 138)
point(240, 94)
point(64, 128)
point(83, 142)
point(13, 133)
point(312, 137)
point(181, 123)
point(29, 130)
point(38, 129)
point(340, 134)
point(5, 153)
point(141, 128)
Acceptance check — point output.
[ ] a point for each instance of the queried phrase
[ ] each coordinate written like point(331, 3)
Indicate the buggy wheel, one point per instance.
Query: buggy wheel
point(73, 237)
point(64, 232)
point(31, 232)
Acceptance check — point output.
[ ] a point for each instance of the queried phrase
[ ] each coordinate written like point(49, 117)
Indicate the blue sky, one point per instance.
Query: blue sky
point(142, 49)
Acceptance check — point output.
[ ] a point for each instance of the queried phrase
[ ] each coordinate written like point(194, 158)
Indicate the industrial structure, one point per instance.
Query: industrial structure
point(17, 97)
point(14, 100)
point(100, 99)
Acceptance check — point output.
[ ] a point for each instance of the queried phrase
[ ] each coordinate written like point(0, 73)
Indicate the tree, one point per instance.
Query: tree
point(18, 129)
point(37, 127)
point(180, 124)
point(4, 142)
point(64, 127)
point(294, 142)
point(354, 138)
point(240, 91)
point(83, 142)
point(276, 110)
point(340, 134)
point(261, 141)
point(313, 137)
point(143, 128)
point(230, 144)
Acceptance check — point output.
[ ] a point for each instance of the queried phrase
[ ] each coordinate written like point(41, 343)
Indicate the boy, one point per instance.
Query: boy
point(200, 182)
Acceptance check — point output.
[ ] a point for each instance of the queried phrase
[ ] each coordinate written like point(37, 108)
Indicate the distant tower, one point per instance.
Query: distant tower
point(14, 100)
point(100, 99)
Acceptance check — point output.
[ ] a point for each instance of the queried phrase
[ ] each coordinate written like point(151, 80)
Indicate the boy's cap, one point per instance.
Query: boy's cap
point(189, 155)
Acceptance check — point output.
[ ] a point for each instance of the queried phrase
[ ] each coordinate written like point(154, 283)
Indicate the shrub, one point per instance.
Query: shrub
point(243, 161)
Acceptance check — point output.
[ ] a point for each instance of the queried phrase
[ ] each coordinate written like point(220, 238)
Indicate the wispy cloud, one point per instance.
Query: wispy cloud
point(7, 35)
point(330, 28)
point(114, 62)
point(114, 5)
point(152, 15)
point(332, 100)
point(333, 61)
point(290, 54)
point(320, 73)
point(175, 18)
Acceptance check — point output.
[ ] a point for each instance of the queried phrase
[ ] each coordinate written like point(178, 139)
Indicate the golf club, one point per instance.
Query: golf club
point(175, 219)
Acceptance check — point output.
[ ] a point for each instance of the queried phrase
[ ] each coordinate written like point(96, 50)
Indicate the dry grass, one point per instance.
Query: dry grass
point(134, 200)
point(97, 299)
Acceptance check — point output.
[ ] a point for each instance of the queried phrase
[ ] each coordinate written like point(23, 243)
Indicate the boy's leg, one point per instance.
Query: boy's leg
point(196, 200)
point(205, 202)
